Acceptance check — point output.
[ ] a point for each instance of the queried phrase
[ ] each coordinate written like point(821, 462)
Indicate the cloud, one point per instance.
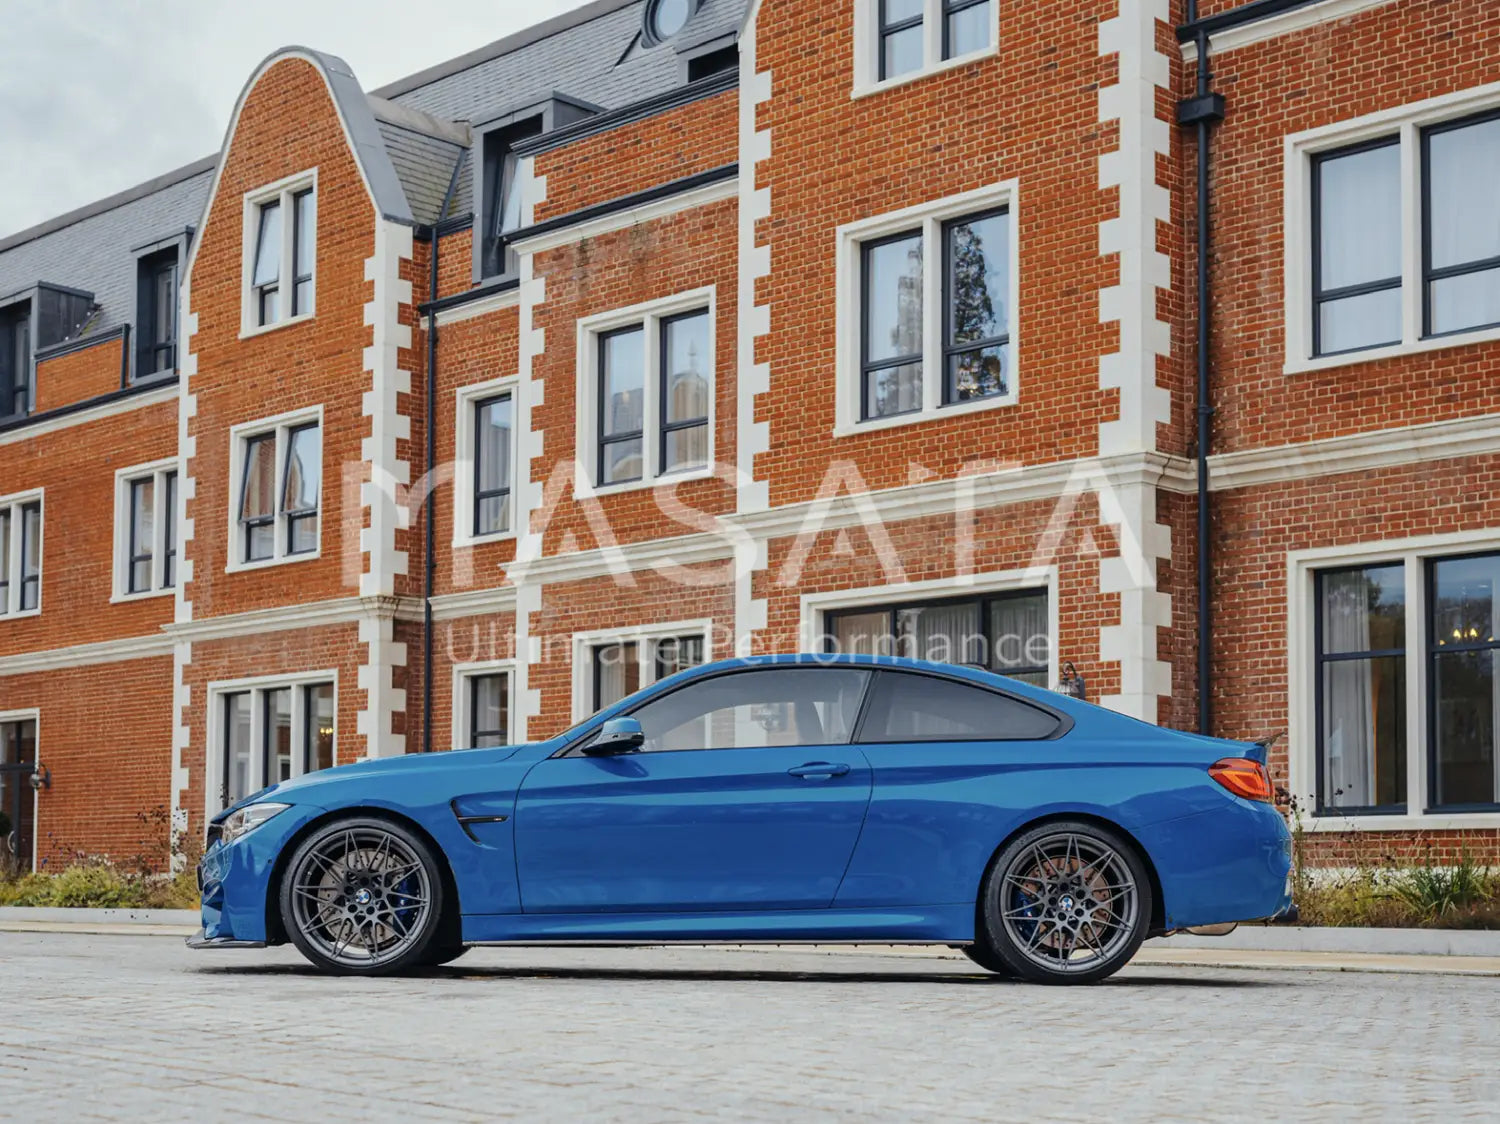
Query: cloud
point(99, 95)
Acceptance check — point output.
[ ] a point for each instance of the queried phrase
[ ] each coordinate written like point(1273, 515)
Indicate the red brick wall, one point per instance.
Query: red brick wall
point(1031, 114)
point(78, 375)
point(689, 250)
point(317, 361)
point(104, 734)
point(76, 468)
point(1381, 59)
point(696, 137)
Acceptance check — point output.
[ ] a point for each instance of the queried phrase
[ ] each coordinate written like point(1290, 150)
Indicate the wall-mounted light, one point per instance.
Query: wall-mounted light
point(41, 778)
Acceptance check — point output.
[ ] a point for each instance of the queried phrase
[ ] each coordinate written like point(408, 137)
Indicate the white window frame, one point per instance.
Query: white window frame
point(584, 644)
point(1302, 757)
point(465, 454)
point(815, 607)
point(32, 714)
point(649, 314)
point(867, 78)
point(239, 437)
point(281, 191)
point(928, 218)
point(1406, 123)
point(462, 714)
point(15, 502)
point(124, 478)
point(258, 686)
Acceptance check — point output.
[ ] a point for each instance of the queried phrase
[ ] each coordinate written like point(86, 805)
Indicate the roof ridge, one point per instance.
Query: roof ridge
point(565, 21)
point(110, 202)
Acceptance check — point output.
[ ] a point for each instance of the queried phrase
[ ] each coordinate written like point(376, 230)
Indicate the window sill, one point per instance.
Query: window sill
point(1391, 351)
point(20, 615)
point(1429, 821)
point(867, 89)
point(848, 429)
point(144, 595)
point(271, 563)
point(250, 332)
point(583, 490)
point(462, 541)
point(155, 378)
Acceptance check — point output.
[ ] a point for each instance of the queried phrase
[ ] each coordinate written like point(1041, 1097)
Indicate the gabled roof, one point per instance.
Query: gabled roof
point(411, 135)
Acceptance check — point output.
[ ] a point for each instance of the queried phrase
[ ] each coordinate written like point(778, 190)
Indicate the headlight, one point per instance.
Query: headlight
point(247, 819)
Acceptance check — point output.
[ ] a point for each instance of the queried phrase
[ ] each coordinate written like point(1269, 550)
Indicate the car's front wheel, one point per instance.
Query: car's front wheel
point(363, 896)
point(1067, 902)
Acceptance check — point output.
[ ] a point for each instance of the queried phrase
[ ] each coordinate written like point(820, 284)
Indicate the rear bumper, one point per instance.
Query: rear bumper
point(200, 940)
point(1229, 864)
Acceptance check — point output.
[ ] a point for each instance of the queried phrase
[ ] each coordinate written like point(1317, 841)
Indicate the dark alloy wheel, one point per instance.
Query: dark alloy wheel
point(1067, 902)
point(363, 896)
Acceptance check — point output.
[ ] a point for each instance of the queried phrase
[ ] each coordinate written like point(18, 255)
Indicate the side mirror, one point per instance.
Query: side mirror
point(618, 735)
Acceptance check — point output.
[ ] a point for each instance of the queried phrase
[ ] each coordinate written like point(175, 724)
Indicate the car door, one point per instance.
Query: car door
point(747, 794)
point(957, 764)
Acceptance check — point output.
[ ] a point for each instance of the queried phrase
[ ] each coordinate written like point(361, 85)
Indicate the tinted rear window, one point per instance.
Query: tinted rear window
point(925, 708)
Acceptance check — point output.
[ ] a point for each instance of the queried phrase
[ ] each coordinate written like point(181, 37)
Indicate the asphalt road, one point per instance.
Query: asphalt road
point(140, 1028)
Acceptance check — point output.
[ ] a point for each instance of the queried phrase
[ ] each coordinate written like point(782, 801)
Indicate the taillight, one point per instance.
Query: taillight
point(1244, 777)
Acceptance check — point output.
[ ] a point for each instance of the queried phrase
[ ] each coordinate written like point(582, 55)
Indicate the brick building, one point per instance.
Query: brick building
point(442, 414)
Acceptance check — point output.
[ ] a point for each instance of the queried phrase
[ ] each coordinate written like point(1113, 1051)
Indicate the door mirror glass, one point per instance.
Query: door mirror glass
point(617, 736)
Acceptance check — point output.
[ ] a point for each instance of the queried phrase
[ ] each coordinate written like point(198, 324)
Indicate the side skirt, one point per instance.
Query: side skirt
point(937, 924)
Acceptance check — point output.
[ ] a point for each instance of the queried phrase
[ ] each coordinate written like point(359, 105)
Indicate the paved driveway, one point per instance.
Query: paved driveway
point(139, 1028)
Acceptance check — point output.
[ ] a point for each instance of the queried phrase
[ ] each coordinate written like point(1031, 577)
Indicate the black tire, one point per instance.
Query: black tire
point(1067, 902)
point(981, 954)
point(363, 896)
point(437, 957)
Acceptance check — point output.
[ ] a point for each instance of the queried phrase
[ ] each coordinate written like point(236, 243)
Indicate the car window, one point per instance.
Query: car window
point(756, 709)
point(918, 708)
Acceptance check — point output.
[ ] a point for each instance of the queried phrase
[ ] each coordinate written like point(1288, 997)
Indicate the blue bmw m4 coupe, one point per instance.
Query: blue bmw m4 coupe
point(775, 799)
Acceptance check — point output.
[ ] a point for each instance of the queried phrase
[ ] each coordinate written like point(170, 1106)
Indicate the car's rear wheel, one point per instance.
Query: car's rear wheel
point(1067, 902)
point(363, 896)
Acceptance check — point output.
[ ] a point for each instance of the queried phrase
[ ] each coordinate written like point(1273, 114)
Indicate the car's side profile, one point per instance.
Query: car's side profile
point(786, 798)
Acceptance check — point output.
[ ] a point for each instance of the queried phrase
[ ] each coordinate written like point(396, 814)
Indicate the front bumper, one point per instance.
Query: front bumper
point(235, 880)
point(201, 940)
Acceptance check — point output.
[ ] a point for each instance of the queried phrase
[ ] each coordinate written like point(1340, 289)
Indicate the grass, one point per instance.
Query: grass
point(1462, 896)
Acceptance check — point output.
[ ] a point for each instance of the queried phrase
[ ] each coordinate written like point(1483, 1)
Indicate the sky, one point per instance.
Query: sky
point(99, 95)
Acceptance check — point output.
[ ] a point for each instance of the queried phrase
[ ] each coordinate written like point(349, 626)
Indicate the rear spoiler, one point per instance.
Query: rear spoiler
point(1258, 751)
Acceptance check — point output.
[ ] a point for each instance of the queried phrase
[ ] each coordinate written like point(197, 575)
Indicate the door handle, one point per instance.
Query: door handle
point(818, 770)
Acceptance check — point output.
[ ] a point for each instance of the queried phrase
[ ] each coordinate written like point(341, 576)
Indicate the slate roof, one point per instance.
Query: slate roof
point(591, 54)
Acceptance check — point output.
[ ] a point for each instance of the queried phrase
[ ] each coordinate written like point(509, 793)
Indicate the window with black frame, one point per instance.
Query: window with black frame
point(15, 361)
point(489, 710)
point(901, 49)
point(891, 366)
point(150, 564)
point(968, 26)
point(622, 401)
point(619, 668)
point(265, 278)
point(1357, 247)
point(1009, 633)
point(503, 202)
point(1464, 687)
point(280, 489)
point(686, 392)
point(1360, 647)
point(272, 733)
point(977, 307)
point(1461, 225)
point(156, 319)
point(31, 557)
point(493, 426)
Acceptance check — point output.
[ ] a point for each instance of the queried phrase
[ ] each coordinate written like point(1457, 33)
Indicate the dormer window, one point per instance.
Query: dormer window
point(665, 18)
point(504, 202)
point(156, 319)
point(15, 361)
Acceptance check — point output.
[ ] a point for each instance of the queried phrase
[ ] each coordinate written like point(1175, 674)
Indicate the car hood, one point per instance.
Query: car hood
point(305, 789)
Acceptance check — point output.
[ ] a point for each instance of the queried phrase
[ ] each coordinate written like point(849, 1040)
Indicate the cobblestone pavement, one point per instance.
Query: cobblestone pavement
point(141, 1028)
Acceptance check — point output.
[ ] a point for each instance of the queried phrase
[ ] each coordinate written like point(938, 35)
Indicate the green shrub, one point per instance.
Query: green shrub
point(1433, 893)
point(29, 890)
point(95, 886)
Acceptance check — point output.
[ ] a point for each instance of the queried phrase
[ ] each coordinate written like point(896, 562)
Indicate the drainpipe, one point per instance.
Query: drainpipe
point(1201, 112)
point(429, 547)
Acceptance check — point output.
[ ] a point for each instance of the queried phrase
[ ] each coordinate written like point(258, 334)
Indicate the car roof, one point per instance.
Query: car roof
point(891, 663)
